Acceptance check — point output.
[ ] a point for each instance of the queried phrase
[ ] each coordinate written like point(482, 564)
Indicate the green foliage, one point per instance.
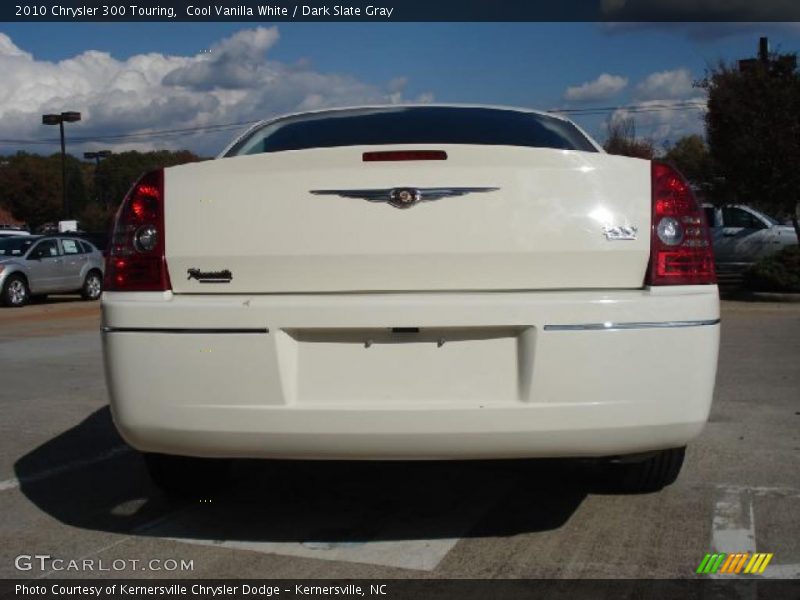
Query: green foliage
point(117, 173)
point(777, 273)
point(622, 140)
point(753, 131)
point(30, 185)
point(691, 156)
point(76, 190)
point(96, 218)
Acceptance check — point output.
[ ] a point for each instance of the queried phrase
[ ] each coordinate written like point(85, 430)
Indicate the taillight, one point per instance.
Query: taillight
point(135, 261)
point(680, 246)
point(394, 155)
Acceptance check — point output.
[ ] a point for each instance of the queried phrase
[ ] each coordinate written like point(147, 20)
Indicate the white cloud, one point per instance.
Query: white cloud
point(660, 124)
point(604, 87)
point(8, 49)
point(235, 82)
point(398, 84)
point(676, 84)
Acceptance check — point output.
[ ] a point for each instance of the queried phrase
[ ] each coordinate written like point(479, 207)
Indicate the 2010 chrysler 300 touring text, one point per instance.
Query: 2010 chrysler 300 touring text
point(411, 282)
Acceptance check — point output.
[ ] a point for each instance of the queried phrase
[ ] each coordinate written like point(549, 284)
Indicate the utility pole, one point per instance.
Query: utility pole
point(788, 62)
point(97, 156)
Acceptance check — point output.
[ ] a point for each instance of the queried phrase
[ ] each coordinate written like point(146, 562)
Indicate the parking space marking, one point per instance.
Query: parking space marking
point(383, 546)
point(420, 555)
point(14, 483)
point(734, 526)
point(782, 572)
point(140, 529)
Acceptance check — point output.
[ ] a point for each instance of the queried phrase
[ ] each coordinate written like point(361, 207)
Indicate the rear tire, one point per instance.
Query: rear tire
point(648, 475)
point(15, 291)
point(92, 286)
point(186, 476)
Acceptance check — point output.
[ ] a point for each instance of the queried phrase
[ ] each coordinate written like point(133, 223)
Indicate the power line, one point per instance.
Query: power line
point(166, 132)
point(632, 108)
point(137, 135)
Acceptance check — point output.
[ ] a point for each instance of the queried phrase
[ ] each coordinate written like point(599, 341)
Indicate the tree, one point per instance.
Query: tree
point(622, 140)
point(30, 185)
point(117, 173)
point(30, 188)
point(690, 154)
point(753, 131)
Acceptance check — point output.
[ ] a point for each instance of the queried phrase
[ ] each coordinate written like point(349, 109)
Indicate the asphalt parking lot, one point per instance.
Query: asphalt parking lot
point(71, 489)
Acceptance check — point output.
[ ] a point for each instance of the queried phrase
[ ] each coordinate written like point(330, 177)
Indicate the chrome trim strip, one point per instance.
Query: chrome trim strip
point(640, 325)
point(180, 330)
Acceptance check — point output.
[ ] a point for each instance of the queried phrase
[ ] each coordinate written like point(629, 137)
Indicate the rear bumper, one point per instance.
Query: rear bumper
point(487, 375)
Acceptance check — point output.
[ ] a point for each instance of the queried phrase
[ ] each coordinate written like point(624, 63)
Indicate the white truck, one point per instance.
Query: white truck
point(411, 282)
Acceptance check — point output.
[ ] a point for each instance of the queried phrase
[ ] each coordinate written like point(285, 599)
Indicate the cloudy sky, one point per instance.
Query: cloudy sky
point(195, 85)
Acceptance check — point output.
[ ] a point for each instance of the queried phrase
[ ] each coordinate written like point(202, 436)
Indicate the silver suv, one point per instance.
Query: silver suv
point(40, 265)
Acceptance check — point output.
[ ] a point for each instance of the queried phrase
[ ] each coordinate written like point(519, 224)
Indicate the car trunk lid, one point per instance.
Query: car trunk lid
point(303, 221)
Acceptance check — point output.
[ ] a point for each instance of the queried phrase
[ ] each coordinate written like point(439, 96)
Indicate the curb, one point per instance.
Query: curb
point(748, 296)
point(775, 296)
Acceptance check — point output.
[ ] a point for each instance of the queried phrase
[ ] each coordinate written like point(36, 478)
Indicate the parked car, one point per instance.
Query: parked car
point(411, 282)
point(98, 239)
point(8, 231)
point(743, 235)
point(40, 265)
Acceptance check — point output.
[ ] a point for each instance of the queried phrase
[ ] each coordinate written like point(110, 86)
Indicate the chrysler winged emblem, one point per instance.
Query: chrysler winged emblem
point(404, 197)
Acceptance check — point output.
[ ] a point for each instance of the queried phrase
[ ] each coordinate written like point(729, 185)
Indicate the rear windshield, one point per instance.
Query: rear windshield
point(414, 125)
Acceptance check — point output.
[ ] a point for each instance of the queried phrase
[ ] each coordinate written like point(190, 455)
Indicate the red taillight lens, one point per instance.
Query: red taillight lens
point(135, 261)
point(680, 247)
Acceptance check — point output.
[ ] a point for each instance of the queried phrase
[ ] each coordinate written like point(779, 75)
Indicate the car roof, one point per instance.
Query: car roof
point(55, 236)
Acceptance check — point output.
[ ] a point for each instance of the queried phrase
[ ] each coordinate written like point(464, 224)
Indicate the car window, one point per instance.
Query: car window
point(736, 217)
point(71, 247)
point(710, 218)
point(45, 249)
point(414, 125)
point(15, 246)
point(87, 248)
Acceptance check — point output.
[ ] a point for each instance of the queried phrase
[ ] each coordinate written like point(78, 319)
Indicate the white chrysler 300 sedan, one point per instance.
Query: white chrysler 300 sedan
point(411, 282)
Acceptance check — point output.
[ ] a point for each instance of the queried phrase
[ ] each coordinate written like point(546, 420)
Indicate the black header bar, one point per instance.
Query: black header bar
point(403, 589)
point(400, 10)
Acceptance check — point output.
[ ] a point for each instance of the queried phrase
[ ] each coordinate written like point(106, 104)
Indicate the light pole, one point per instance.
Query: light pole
point(97, 156)
point(54, 119)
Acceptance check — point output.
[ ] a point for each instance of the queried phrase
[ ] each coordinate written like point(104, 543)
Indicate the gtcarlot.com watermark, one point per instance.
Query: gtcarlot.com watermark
point(47, 563)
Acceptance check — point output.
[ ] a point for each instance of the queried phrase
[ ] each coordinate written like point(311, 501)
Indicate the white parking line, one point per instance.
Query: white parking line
point(135, 532)
point(782, 572)
point(421, 555)
point(14, 483)
point(383, 546)
point(734, 526)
